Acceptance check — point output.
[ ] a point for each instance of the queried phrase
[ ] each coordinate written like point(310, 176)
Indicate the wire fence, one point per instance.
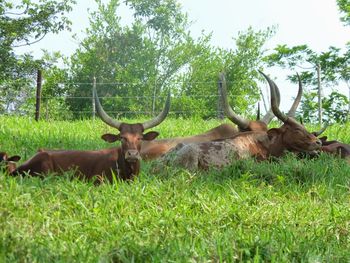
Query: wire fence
point(47, 109)
point(33, 103)
point(52, 109)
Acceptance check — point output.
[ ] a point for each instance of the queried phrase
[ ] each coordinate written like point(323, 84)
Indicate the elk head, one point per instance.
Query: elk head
point(131, 135)
point(8, 162)
point(292, 134)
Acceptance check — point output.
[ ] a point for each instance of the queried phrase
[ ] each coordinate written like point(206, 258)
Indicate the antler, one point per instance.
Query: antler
point(291, 112)
point(161, 116)
point(116, 124)
point(235, 118)
point(318, 133)
point(269, 115)
point(273, 90)
point(103, 115)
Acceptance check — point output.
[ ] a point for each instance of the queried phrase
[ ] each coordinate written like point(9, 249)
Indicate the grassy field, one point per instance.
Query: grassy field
point(283, 211)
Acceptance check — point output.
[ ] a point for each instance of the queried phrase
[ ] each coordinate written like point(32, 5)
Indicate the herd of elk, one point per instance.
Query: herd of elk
point(217, 147)
point(261, 144)
point(154, 149)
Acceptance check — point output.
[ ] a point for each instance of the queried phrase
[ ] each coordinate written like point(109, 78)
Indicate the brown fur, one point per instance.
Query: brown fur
point(291, 136)
point(154, 149)
point(335, 148)
point(124, 161)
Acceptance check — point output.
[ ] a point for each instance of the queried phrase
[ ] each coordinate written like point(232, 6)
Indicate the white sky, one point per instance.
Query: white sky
point(312, 22)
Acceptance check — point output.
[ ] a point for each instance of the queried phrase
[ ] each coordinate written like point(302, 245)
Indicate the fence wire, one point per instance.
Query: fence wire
point(141, 100)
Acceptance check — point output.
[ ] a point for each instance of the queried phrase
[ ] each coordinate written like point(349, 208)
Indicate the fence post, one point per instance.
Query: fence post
point(93, 100)
point(319, 94)
point(348, 119)
point(154, 97)
point(222, 81)
point(38, 95)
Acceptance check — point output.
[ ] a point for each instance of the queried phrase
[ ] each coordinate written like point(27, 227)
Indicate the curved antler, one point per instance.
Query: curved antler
point(103, 115)
point(270, 115)
point(318, 133)
point(161, 116)
point(291, 112)
point(116, 124)
point(235, 118)
point(273, 90)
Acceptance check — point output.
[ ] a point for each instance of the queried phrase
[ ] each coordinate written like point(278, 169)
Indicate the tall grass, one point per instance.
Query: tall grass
point(279, 211)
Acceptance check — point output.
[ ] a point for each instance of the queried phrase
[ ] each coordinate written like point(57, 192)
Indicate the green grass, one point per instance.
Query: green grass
point(282, 211)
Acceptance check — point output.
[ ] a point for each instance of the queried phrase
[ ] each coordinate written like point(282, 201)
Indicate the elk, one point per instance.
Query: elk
point(8, 163)
point(290, 137)
point(123, 161)
point(336, 148)
point(154, 149)
point(333, 147)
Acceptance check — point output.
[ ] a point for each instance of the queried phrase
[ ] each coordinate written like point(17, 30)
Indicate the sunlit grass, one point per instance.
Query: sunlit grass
point(281, 211)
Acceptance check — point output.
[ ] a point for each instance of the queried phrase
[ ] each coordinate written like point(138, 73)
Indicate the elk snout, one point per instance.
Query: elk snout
point(132, 155)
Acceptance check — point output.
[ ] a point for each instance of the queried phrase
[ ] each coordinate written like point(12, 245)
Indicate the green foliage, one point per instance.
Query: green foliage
point(54, 89)
point(335, 69)
point(242, 65)
point(335, 107)
point(154, 53)
point(199, 84)
point(344, 8)
point(23, 23)
point(26, 21)
point(140, 59)
point(279, 211)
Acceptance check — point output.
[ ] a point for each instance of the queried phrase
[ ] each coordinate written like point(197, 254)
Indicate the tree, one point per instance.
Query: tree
point(24, 23)
point(334, 66)
point(240, 64)
point(334, 106)
point(344, 8)
point(139, 58)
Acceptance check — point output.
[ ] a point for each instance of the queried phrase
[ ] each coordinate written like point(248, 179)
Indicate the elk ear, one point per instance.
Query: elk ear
point(110, 137)
point(273, 132)
point(14, 158)
point(323, 139)
point(149, 136)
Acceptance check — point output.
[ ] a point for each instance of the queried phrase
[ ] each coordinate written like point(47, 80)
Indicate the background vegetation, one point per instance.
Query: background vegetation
point(136, 63)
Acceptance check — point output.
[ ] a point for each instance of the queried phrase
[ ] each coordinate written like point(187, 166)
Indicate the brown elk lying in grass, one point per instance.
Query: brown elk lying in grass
point(154, 149)
point(290, 137)
point(123, 161)
point(333, 147)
